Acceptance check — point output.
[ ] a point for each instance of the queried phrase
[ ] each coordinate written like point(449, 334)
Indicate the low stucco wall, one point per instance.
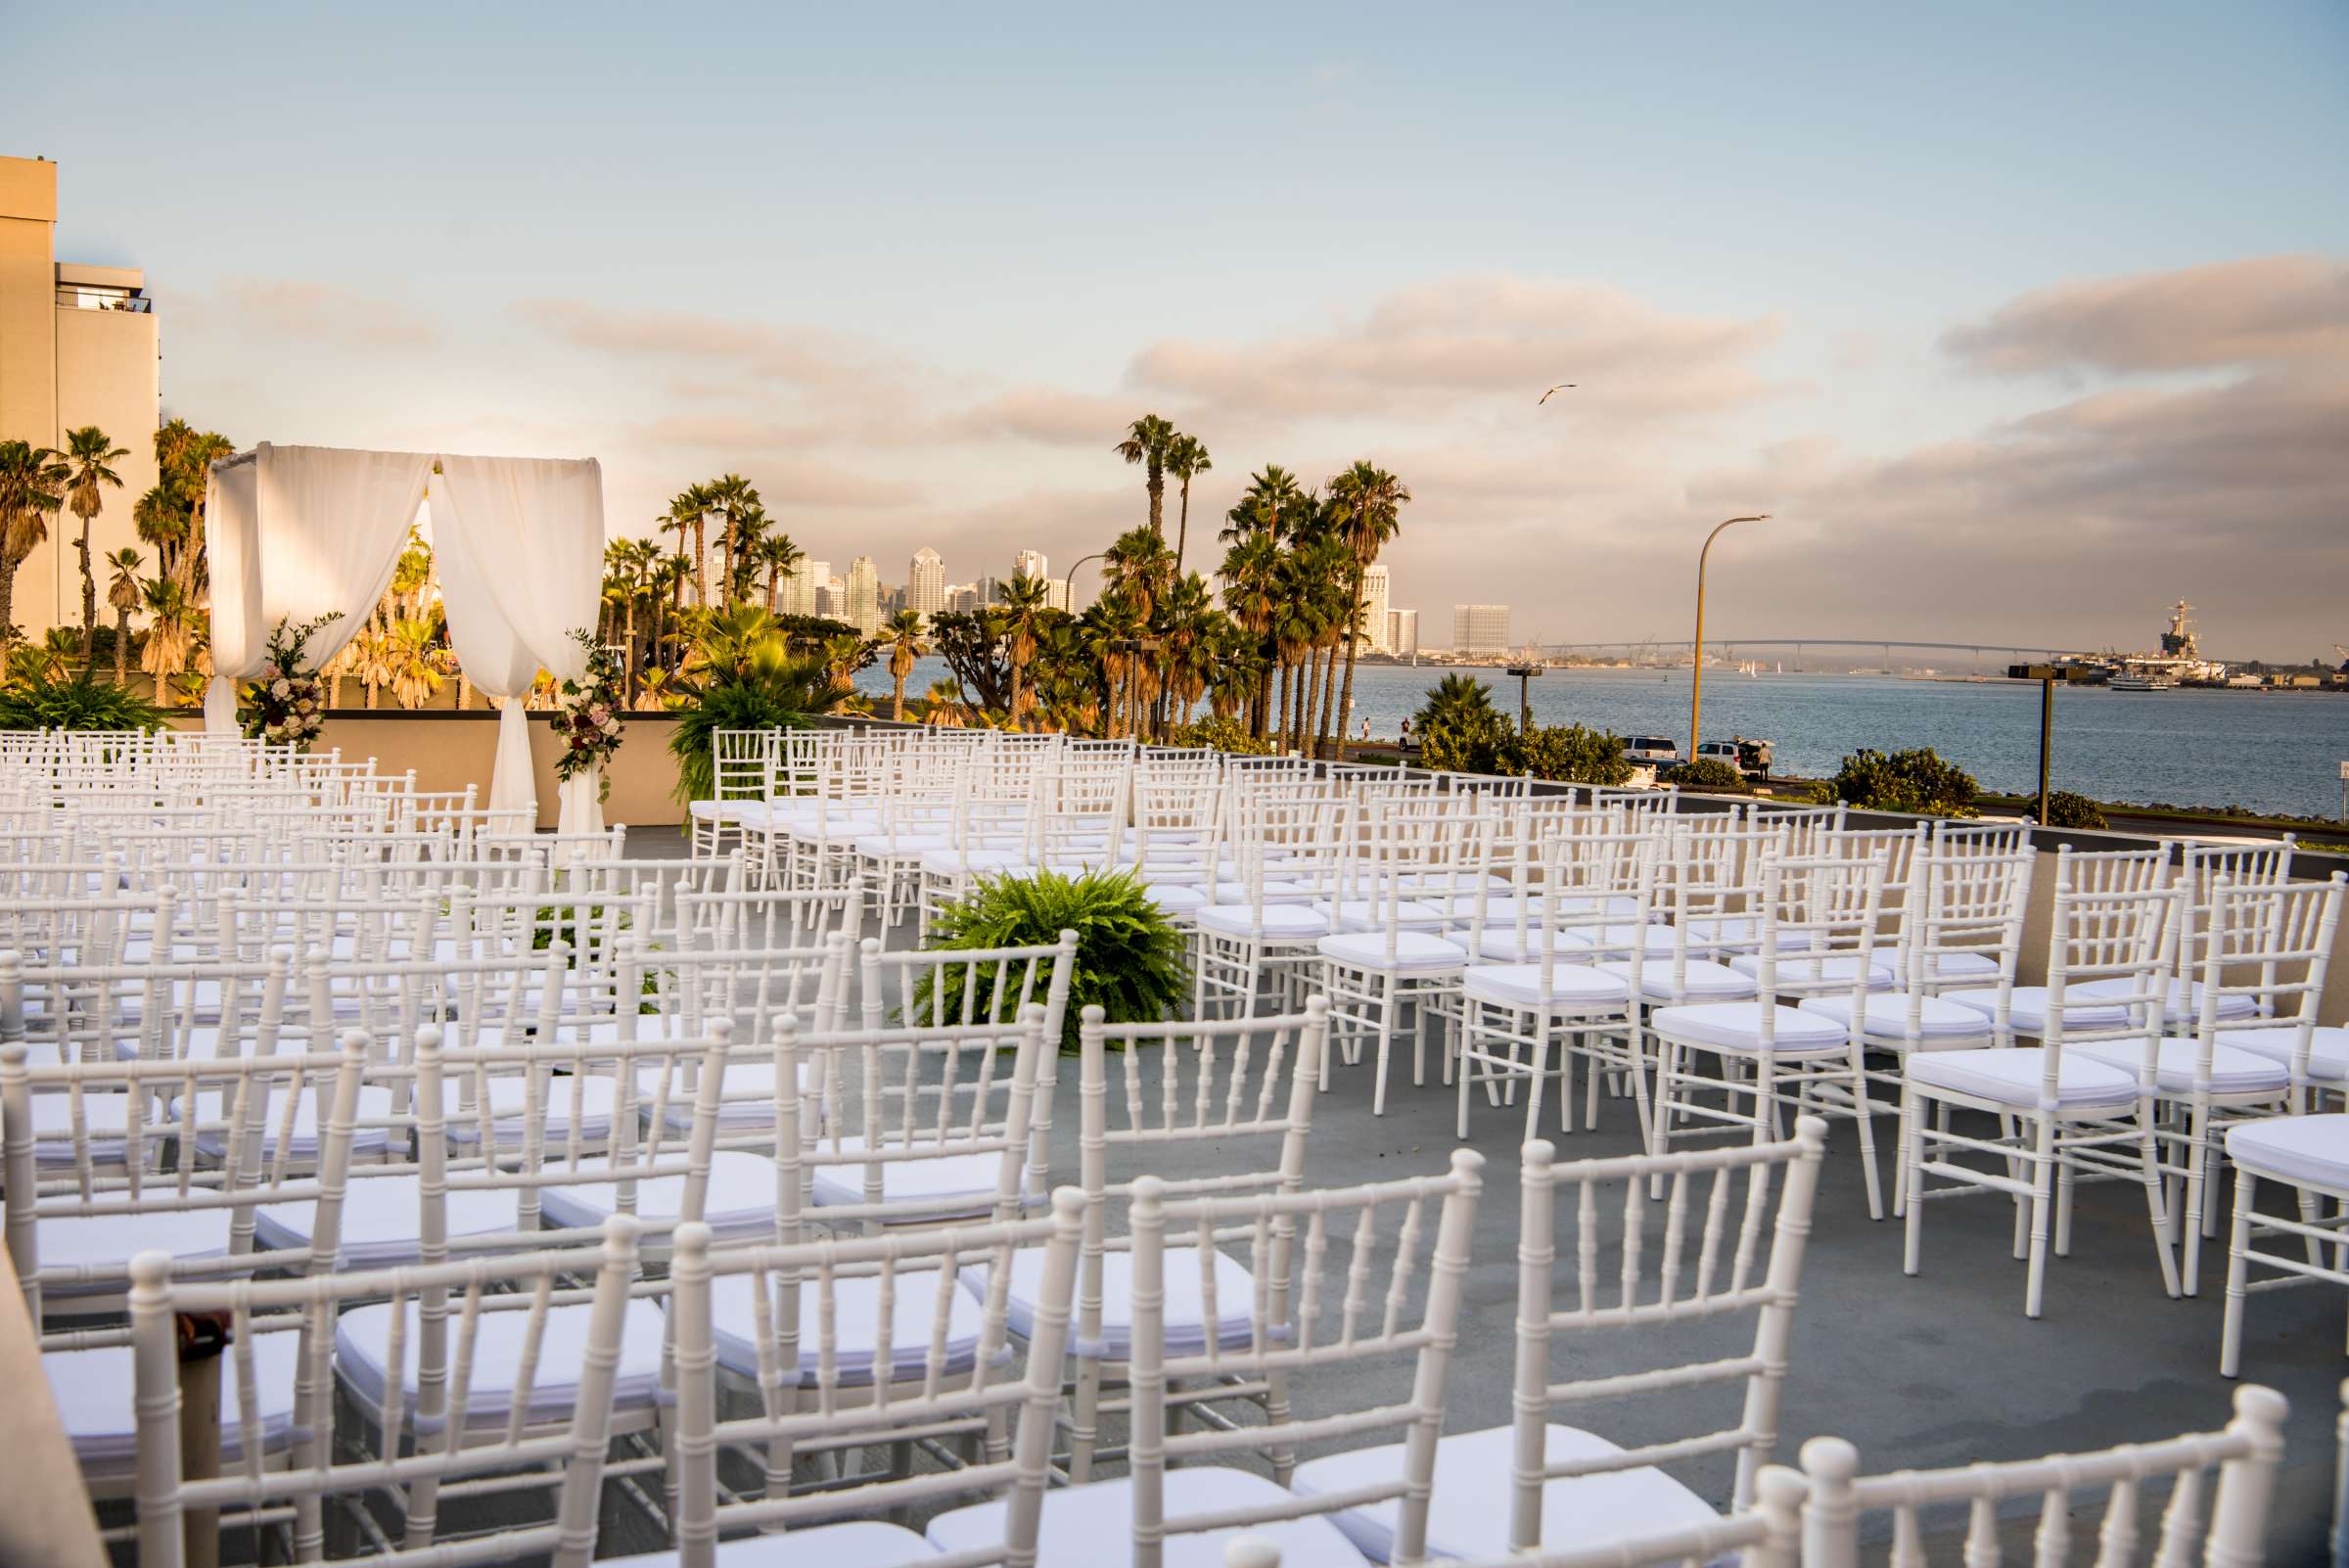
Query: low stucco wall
point(448, 750)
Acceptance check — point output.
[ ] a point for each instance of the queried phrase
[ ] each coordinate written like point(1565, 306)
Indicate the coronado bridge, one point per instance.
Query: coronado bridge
point(1796, 652)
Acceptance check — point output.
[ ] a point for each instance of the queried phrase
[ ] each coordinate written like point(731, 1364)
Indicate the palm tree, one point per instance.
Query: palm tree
point(1251, 585)
point(183, 458)
point(1271, 505)
point(1365, 505)
point(750, 531)
point(1026, 600)
point(902, 637)
point(1186, 460)
point(779, 555)
point(945, 707)
point(170, 629)
point(692, 507)
point(1146, 441)
point(122, 592)
point(32, 487)
point(1453, 698)
point(89, 453)
point(408, 668)
point(733, 495)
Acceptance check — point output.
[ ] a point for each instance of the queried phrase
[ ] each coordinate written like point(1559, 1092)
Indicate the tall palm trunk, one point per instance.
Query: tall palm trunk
point(628, 673)
point(121, 646)
point(1183, 529)
point(771, 589)
point(89, 594)
point(1307, 730)
point(1352, 644)
point(701, 565)
point(1333, 719)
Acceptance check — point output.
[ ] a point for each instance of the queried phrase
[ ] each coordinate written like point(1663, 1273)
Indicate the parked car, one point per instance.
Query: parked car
point(1651, 751)
point(1749, 757)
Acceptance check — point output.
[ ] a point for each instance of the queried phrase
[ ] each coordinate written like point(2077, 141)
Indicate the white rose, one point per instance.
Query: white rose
point(281, 688)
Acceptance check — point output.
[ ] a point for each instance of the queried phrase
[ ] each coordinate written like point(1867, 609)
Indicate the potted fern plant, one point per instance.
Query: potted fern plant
point(1131, 961)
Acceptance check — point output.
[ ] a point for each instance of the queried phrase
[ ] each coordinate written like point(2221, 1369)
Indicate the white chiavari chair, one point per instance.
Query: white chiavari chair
point(1723, 1259)
point(1405, 1248)
point(2059, 1112)
point(1539, 996)
point(1244, 1086)
point(1841, 1503)
point(1769, 1053)
point(2262, 954)
point(1262, 928)
point(519, 1347)
point(820, 1395)
point(122, 1177)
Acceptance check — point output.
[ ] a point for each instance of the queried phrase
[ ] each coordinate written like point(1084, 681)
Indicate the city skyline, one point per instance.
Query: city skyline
point(2058, 380)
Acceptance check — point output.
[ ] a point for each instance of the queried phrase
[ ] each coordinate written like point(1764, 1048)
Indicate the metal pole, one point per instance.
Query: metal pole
point(2046, 741)
point(1696, 665)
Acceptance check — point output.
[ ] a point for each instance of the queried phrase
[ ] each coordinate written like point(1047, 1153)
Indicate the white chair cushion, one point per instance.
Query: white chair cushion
point(2027, 1009)
point(1948, 967)
point(219, 1105)
point(970, 862)
point(1615, 940)
point(851, 1543)
point(1740, 931)
point(104, 1118)
point(96, 1389)
point(1370, 914)
point(965, 1182)
point(1886, 1017)
point(2309, 1149)
point(1092, 1526)
point(1836, 969)
point(741, 1203)
point(747, 1090)
point(1417, 952)
point(1277, 922)
point(1468, 1515)
point(855, 1325)
point(1276, 889)
point(381, 1219)
point(363, 1336)
point(1572, 987)
point(2010, 1075)
point(1185, 1302)
point(1705, 980)
point(905, 844)
point(2185, 1003)
point(509, 1098)
point(2231, 1072)
point(1173, 898)
point(2327, 1048)
point(112, 1240)
point(1736, 1026)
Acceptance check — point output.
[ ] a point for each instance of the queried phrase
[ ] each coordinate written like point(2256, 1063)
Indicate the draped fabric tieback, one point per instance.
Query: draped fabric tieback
point(300, 531)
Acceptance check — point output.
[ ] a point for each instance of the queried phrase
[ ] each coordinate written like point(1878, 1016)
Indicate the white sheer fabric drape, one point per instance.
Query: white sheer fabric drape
point(520, 545)
point(304, 532)
point(233, 546)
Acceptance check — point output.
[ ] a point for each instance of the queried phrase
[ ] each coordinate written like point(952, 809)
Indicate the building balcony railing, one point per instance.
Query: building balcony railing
point(80, 299)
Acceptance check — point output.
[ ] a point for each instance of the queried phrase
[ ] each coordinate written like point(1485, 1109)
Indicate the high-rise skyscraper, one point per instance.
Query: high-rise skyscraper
point(926, 584)
point(864, 595)
point(1403, 633)
point(814, 581)
point(1374, 609)
point(1479, 629)
point(1033, 564)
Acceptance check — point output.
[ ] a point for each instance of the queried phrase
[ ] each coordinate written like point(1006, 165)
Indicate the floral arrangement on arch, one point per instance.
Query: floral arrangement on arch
point(285, 702)
point(587, 712)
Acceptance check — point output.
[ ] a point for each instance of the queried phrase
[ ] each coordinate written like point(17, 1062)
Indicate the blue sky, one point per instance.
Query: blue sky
point(909, 270)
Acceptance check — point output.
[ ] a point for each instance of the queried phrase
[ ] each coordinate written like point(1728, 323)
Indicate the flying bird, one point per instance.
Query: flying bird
point(1564, 386)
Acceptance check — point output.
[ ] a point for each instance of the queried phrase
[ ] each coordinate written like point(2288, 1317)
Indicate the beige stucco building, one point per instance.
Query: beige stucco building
point(77, 347)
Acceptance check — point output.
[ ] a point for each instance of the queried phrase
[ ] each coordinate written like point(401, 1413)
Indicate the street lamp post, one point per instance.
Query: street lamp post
point(1696, 665)
point(2047, 675)
point(1068, 589)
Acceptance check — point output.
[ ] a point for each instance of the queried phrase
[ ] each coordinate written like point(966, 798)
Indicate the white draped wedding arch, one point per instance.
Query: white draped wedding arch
point(296, 533)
